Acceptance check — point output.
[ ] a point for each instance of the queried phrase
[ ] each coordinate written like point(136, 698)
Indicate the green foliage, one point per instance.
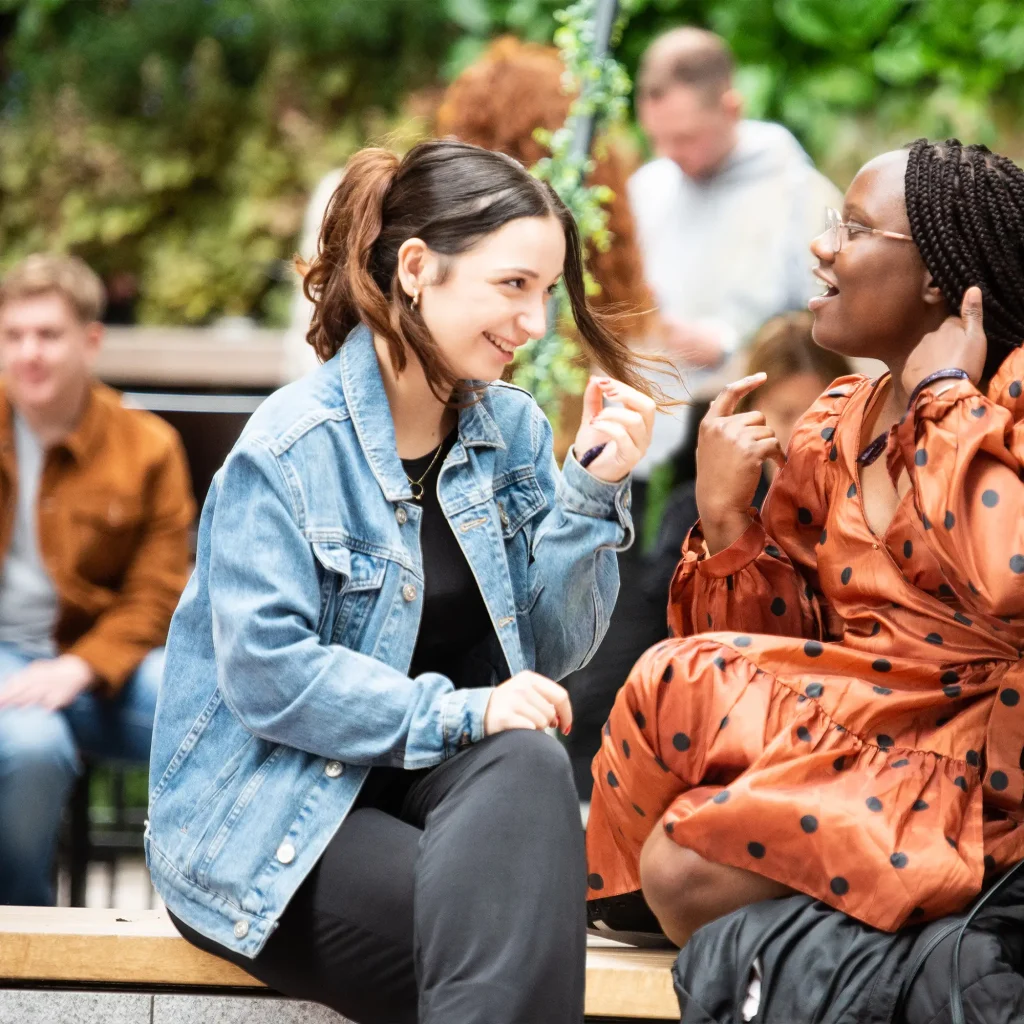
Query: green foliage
point(177, 140)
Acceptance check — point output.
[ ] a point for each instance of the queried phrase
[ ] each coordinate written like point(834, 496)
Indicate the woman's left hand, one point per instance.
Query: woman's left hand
point(625, 432)
point(959, 343)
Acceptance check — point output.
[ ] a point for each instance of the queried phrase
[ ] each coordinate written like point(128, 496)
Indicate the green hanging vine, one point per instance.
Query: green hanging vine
point(550, 366)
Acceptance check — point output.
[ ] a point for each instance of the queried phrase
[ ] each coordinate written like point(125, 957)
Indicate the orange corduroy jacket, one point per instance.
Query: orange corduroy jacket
point(114, 511)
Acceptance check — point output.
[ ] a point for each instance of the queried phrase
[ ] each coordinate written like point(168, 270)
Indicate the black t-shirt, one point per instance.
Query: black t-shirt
point(455, 636)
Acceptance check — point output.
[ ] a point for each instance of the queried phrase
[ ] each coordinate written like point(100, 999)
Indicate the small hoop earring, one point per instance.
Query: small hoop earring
point(416, 299)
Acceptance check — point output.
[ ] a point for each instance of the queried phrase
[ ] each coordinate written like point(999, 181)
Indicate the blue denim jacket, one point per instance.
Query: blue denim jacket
point(286, 675)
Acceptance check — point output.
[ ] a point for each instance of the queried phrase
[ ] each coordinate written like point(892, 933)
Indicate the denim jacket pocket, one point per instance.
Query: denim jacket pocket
point(351, 583)
point(519, 499)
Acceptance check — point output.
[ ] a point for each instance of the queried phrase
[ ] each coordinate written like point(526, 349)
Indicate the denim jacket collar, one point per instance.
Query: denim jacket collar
point(368, 406)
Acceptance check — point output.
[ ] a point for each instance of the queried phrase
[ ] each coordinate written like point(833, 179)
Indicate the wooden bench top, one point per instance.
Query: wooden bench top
point(142, 949)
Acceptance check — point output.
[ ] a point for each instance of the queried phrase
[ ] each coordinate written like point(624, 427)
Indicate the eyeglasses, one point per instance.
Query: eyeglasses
point(839, 231)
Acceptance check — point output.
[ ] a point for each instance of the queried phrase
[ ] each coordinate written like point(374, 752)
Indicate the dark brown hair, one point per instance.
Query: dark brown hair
point(450, 195)
point(783, 347)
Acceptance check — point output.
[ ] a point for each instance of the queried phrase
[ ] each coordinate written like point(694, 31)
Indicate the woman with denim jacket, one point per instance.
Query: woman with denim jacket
point(342, 801)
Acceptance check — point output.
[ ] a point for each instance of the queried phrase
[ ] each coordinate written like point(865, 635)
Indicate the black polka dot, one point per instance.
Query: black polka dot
point(949, 676)
point(949, 520)
point(840, 728)
point(666, 676)
point(639, 810)
point(669, 827)
point(873, 803)
point(815, 689)
point(801, 698)
point(884, 741)
point(833, 454)
point(962, 619)
point(973, 589)
point(710, 623)
point(852, 491)
point(876, 629)
point(612, 780)
point(812, 648)
point(881, 665)
point(917, 912)
point(901, 763)
point(742, 641)
point(1017, 564)
point(823, 537)
point(681, 742)
point(945, 590)
point(908, 548)
point(778, 606)
point(803, 733)
point(839, 885)
point(724, 722)
point(607, 728)
point(934, 638)
point(661, 764)
point(1020, 760)
point(595, 881)
point(920, 457)
point(638, 717)
point(1010, 697)
point(882, 691)
point(998, 781)
point(951, 841)
point(926, 522)
point(756, 850)
point(828, 433)
point(847, 575)
point(804, 516)
point(771, 549)
point(719, 662)
point(990, 499)
point(721, 797)
point(625, 748)
point(973, 758)
point(961, 783)
point(1015, 389)
point(809, 823)
point(920, 805)
point(899, 860)
point(978, 411)
point(940, 722)
point(839, 763)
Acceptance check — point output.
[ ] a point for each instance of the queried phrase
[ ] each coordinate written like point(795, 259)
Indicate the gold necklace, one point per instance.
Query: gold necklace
point(417, 485)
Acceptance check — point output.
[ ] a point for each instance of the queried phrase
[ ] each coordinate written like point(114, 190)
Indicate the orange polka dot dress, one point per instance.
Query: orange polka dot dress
point(840, 711)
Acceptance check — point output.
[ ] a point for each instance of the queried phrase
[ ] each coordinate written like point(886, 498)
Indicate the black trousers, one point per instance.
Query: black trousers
point(449, 896)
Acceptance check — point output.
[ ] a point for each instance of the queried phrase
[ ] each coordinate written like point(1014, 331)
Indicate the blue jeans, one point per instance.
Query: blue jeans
point(39, 761)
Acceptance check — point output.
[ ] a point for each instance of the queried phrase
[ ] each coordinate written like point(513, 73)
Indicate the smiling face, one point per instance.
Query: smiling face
point(878, 299)
point(493, 297)
point(46, 352)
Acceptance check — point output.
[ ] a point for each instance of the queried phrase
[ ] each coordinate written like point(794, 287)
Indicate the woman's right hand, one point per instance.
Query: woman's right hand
point(528, 701)
point(731, 447)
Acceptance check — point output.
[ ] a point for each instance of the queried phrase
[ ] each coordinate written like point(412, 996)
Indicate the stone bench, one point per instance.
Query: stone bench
point(132, 967)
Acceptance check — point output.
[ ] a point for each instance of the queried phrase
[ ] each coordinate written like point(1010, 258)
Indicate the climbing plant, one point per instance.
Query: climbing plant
point(550, 367)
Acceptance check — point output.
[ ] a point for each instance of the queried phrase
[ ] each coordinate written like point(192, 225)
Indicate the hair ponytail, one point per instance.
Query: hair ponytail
point(340, 282)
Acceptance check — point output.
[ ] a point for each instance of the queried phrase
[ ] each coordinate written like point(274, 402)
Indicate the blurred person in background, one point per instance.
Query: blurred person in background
point(724, 213)
point(97, 507)
point(797, 372)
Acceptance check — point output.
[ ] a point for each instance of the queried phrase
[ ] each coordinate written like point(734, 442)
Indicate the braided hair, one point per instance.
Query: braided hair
point(966, 210)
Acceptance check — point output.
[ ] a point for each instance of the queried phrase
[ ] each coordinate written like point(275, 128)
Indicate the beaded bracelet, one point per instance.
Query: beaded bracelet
point(952, 372)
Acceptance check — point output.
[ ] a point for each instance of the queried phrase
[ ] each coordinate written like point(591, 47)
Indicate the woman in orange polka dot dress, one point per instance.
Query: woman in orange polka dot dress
point(840, 711)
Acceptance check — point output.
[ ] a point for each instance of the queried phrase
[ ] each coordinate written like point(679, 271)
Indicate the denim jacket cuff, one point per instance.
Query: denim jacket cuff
point(581, 492)
point(462, 718)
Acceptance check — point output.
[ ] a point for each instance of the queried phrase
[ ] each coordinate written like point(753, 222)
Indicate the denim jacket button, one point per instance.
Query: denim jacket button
point(333, 769)
point(502, 515)
point(241, 929)
point(409, 592)
point(286, 853)
point(401, 515)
